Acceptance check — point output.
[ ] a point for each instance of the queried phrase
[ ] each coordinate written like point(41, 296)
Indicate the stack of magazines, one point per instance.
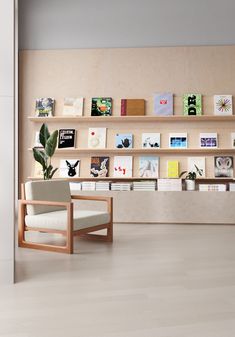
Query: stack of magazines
point(88, 185)
point(121, 186)
point(146, 185)
point(103, 185)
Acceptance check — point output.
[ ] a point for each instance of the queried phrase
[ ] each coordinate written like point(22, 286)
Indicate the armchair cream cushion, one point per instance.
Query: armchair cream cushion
point(46, 190)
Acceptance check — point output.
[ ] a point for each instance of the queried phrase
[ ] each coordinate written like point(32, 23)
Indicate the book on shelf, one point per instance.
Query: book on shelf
point(37, 142)
point(223, 166)
point(103, 185)
point(148, 167)
point(67, 138)
point(169, 184)
point(69, 168)
point(101, 106)
point(73, 106)
point(44, 107)
point(178, 140)
point(151, 140)
point(212, 187)
point(208, 140)
point(192, 104)
point(88, 185)
point(232, 187)
point(223, 105)
point(132, 107)
point(233, 139)
point(163, 104)
point(173, 169)
point(146, 185)
point(99, 167)
point(124, 140)
point(200, 162)
point(75, 186)
point(121, 186)
point(122, 166)
point(97, 138)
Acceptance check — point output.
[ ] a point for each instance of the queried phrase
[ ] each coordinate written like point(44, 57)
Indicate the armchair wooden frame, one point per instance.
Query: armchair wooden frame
point(69, 233)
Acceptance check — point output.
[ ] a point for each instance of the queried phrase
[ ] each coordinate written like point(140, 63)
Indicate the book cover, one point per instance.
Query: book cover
point(151, 139)
point(122, 166)
point(148, 167)
point(67, 138)
point(132, 107)
point(99, 167)
point(124, 140)
point(223, 105)
point(163, 104)
point(192, 104)
point(44, 107)
point(97, 138)
point(38, 171)
point(200, 162)
point(223, 166)
point(208, 140)
point(233, 139)
point(178, 140)
point(69, 168)
point(173, 169)
point(73, 106)
point(37, 140)
point(101, 106)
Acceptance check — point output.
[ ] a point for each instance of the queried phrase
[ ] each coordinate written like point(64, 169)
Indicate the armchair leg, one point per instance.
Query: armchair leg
point(21, 225)
point(110, 233)
point(70, 229)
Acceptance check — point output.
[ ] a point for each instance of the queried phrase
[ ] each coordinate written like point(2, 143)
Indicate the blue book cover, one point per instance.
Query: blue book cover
point(163, 104)
point(124, 140)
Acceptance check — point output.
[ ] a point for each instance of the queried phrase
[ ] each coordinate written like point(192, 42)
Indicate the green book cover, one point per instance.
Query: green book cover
point(192, 104)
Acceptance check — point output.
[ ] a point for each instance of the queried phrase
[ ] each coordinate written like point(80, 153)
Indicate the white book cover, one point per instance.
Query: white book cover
point(38, 171)
point(37, 140)
point(97, 138)
point(163, 104)
point(73, 106)
point(69, 168)
point(233, 139)
point(200, 162)
point(122, 166)
point(208, 140)
point(151, 140)
point(178, 140)
point(223, 105)
point(148, 167)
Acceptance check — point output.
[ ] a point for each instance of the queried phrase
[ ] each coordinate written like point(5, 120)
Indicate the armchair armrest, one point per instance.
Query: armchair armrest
point(108, 200)
point(44, 202)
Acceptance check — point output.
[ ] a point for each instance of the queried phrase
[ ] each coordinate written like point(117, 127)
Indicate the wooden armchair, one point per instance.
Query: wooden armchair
point(46, 206)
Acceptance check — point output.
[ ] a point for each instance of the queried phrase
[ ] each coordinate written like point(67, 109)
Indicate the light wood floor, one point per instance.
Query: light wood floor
point(154, 281)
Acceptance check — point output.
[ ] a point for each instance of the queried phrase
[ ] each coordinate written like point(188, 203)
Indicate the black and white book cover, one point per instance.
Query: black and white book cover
point(67, 138)
point(69, 168)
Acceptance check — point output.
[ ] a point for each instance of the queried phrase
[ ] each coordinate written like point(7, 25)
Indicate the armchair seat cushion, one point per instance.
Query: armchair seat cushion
point(58, 219)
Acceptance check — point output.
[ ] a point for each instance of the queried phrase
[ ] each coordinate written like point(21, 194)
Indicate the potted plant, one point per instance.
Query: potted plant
point(43, 157)
point(190, 178)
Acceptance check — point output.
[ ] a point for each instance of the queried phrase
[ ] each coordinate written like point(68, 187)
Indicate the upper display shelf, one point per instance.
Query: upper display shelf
point(132, 119)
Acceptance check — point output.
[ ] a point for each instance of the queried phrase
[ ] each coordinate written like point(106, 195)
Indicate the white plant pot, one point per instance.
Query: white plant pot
point(190, 185)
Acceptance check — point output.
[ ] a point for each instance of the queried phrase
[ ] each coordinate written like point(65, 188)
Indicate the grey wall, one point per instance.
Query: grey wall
point(52, 24)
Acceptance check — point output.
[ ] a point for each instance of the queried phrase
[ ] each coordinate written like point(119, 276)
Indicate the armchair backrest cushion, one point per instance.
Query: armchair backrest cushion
point(46, 190)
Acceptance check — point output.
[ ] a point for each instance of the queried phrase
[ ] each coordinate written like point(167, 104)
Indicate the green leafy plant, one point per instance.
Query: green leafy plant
point(43, 157)
point(192, 175)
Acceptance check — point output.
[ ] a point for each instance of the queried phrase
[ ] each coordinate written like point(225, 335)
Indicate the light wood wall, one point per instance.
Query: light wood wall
point(125, 73)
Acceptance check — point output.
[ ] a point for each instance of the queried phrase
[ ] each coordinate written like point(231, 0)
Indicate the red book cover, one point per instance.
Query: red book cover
point(123, 107)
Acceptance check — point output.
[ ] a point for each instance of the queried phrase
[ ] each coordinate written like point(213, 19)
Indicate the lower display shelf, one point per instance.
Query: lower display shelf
point(167, 207)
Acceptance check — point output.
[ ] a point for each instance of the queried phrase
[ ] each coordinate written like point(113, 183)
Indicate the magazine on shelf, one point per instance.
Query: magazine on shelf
point(223, 105)
point(208, 140)
point(223, 166)
point(192, 104)
point(124, 140)
point(122, 166)
point(67, 138)
point(101, 106)
point(173, 169)
point(148, 167)
point(151, 140)
point(37, 142)
point(200, 162)
point(44, 107)
point(99, 167)
point(69, 168)
point(73, 106)
point(178, 140)
point(97, 138)
point(132, 107)
point(163, 104)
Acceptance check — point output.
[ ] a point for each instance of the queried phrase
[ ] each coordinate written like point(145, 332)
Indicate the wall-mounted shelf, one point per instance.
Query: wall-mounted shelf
point(155, 151)
point(133, 119)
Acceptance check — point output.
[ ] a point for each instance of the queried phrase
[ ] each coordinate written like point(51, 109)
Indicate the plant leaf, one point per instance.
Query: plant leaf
point(44, 134)
point(51, 144)
point(52, 173)
point(182, 173)
point(40, 157)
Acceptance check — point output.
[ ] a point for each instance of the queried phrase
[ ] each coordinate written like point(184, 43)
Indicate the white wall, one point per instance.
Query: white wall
point(7, 142)
point(55, 24)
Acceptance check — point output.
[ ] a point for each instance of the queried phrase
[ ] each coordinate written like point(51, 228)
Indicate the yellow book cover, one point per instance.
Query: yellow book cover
point(173, 169)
